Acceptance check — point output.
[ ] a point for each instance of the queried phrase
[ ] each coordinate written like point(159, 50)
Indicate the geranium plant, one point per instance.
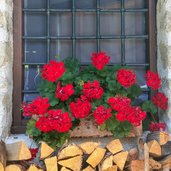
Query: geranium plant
point(107, 94)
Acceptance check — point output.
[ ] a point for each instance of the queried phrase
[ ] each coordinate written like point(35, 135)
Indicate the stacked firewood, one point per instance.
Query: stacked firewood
point(152, 151)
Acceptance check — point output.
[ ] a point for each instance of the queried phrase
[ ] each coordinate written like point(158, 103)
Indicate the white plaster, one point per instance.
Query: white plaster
point(3, 35)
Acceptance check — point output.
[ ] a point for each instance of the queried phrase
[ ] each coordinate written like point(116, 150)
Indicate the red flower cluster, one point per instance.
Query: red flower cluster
point(99, 60)
point(63, 93)
point(160, 100)
point(157, 126)
point(118, 103)
point(38, 106)
point(132, 114)
point(80, 109)
point(53, 70)
point(152, 79)
point(126, 77)
point(33, 152)
point(55, 121)
point(92, 90)
point(101, 114)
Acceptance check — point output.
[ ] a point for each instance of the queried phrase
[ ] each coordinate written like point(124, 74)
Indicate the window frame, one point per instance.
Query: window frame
point(18, 123)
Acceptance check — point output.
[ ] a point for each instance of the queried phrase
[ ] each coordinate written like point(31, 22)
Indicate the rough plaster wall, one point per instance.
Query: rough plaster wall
point(6, 60)
point(164, 53)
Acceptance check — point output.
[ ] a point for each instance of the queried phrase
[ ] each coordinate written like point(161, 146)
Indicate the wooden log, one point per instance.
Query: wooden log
point(34, 168)
point(3, 156)
point(107, 163)
point(120, 159)
point(1, 167)
point(160, 136)
point(146, 158)
point(45, 150)
point(65, 169)
point(166, 149)
point(112, 168)
point(17, 151)
point(70, 151)
point(166, 162)
point(88, 168)
point(114, 146)
point(95, 158)
point(137, 165)
point(154, 165)
point(51, 164)
point(89, 147)
point(13, 167)
point(132, 155)
point(73, 163)
point(154, 148)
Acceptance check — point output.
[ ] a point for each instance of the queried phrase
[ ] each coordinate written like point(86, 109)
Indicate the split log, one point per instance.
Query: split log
point(160, 136)
point(146, 158)
point(96, 157)
point(132, 154)
point(45, 150)
point(17, 151)
point(73, 163)
point(166, 149)
point(154, 165)
point(166, 162)
point(114, 146)
point(70, 151)
point(89, 147)
point(107, 163)
point(154, 148)
point(3, 156)
point(137, 165)
point(88, 168)
point(13, 167)
point(112, 168)
point(65, 169)
point(34, 168)
point(51, 164)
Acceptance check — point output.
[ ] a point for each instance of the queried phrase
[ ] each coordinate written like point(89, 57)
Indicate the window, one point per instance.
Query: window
point(55, 29)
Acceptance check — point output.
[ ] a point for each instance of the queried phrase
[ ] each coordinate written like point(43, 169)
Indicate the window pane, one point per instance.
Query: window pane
point(35, 51)
point(84, 49)
point(61, 24)
point(140, 75)
point(35, 24)
point(135, 51)
point(110, 4)
point(61, 4)
point(85, 4)
point(110, 24)
point(29, 97)
point(113, 49)
point(60, 49)
point(31, 77)
point(135, 23)
point(135, 3)
point(34, 3)
point(85, 24)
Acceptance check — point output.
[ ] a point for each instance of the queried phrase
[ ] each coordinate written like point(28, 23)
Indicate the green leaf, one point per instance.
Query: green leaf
point(148, 106)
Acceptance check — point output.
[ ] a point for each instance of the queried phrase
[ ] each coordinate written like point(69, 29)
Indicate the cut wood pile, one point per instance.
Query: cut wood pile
point(152, 151)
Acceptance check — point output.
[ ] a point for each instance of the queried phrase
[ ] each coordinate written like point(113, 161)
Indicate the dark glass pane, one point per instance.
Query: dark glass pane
point(31, 77)
point(60, 49)
point(35, 51)
point(34, 3)
point(110, 24)
point(135, 3)
point(85, 4)
point(61, 4)
point(110, 4)
point(135, 51)
point(35, 24)
point(135, 23)
point(113, 49)
point(29, 97)
point(61, 24)
point(140, 71)
point(85, 24)
point(84, 49)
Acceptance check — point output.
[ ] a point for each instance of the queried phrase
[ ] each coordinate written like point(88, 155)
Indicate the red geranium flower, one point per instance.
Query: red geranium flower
point(152, 79)
point(38, 106)
point(101, 114)
point(126, 77)
point(160, 100)
point(118, 103)
point(53, 70)
point(92, 90)
point(63, 93)
point(43, 124)
point(154, 126)
point(99, 60)
point(80, 109)
point(33, 151)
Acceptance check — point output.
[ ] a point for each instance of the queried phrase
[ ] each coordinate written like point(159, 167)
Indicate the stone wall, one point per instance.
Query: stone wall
point(6, 61)
point(164, 53)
